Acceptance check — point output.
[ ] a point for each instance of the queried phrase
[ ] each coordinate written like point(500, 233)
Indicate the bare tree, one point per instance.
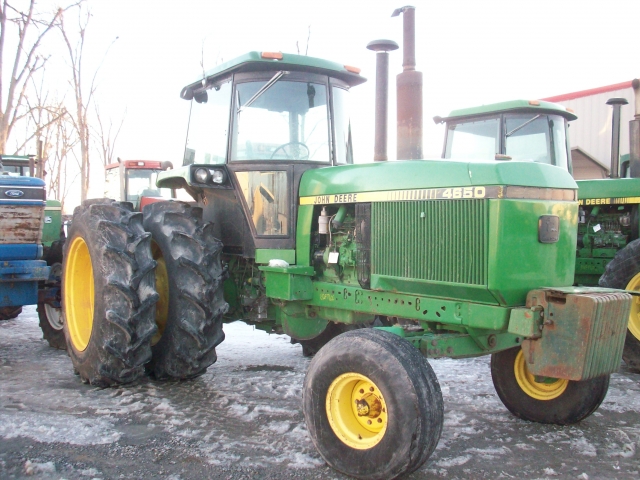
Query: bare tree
point(31, 28)
point(106, 137)
point(83, 94)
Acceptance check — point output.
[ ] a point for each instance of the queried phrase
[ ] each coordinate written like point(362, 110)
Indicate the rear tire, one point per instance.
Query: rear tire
point(108, 294)
point(624, 272)
point(562, 402)
point(190, 281)
point(399, 424)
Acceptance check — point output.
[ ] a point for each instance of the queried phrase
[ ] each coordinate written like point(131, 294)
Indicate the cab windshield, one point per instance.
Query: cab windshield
point(287, 121)
point(142, 183)
point(526, 137)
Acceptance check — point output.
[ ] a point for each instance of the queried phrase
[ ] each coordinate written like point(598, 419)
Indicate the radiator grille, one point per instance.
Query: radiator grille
point(430, 240)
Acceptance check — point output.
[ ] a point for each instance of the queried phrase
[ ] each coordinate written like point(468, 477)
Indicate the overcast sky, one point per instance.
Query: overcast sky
point(471, 52)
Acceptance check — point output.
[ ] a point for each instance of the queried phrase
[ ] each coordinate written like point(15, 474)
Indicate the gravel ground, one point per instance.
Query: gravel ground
point(243, 419)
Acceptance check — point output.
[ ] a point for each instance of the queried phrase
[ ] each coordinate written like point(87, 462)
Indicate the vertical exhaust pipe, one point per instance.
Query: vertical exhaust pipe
point(409, 85)
point(616, 103)
point(382, 47)
point(634, 133)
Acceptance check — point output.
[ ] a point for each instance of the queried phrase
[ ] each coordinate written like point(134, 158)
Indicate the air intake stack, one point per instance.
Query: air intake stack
point(616, 103)
point(382, 47)
point(634, 133)
point(409, 85)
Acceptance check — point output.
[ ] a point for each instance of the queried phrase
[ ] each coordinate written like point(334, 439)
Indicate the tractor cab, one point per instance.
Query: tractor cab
point(135, 181)
point(521, 130)
point(257, 123)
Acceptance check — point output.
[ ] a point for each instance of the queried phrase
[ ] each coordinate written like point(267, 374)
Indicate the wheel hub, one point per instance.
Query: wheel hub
point(540, 388)
point(634, 315)
point(79, 294)
point(356, 411)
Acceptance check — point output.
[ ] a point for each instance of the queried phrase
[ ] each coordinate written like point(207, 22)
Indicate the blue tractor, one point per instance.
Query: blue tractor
point(22, 205)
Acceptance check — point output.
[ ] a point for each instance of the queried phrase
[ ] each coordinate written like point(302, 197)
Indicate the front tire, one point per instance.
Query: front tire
point(372, 405)
point(624, 272)
point(50, 317)
point(108, 293)
point(555, 401)
point(190, 281)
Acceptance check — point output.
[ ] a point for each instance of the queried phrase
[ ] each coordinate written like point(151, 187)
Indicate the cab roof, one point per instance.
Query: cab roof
point(254, 62)
point(538, 106)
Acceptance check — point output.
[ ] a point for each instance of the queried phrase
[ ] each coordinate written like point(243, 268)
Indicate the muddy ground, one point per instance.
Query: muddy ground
point(243, 419)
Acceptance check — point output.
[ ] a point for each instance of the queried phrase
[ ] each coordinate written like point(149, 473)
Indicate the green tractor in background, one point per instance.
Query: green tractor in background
point(608, 248)
point(49, 310)
point(446, 258)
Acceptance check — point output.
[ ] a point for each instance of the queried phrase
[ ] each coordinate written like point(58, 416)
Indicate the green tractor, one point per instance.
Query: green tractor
point(608, 248)
point(445, 258)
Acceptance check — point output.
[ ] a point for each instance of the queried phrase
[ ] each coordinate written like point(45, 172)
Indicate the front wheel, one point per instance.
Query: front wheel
point(543, 400)
point(624, 272)
point(372, 405)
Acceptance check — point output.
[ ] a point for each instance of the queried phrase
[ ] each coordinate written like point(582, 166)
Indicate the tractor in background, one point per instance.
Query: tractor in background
point(608, 241)
point(433, 248)
point(22, 213)
point(135, 181)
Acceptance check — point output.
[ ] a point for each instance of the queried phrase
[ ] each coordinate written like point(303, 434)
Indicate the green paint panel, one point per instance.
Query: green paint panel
point(415, 307)
point(518, 262)
point(517, 105)
point(609, 188)
point(464, 346)
point(264, 255)
point(292, 283)
point(52, 222)
point(417, 174)
point(525, 321)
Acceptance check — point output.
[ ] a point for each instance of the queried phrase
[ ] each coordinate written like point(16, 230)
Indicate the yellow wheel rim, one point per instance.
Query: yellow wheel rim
point(634, 315)
point(162, 287)
point(79, 294)
point(537, 390)
point(356, 411)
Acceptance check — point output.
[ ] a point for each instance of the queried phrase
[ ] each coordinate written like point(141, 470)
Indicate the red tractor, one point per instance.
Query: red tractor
point(135, 181)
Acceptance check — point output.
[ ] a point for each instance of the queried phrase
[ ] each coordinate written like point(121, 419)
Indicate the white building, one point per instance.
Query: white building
point(590, 134)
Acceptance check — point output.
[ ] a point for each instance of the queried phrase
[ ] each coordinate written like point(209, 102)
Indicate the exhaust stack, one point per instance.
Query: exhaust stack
point(382, 47)
point(409, 85)
point(634, 133)
point(616, 103)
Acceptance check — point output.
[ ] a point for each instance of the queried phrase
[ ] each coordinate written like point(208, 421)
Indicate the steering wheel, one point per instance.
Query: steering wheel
point(293, 151)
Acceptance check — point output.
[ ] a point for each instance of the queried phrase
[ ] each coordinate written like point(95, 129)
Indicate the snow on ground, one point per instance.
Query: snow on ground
point(246, 411)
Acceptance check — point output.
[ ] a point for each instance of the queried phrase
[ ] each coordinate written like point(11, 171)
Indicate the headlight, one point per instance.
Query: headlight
point(218, 176)
point(201, 175)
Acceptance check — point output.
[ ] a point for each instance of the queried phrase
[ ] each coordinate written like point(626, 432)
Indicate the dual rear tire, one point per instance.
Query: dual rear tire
point(116, 324)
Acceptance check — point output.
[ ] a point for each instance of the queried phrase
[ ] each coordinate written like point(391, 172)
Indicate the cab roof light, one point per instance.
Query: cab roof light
point(535, 103)
point(271, 55)
point(352, 69)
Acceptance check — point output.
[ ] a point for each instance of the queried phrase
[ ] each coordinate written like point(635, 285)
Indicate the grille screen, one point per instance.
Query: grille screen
point(430, 240)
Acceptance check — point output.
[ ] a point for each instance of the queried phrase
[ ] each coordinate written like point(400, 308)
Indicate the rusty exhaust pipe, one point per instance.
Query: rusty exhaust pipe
point(634, 133)
point(382, 47)
point(409, 85)
point(616, 103)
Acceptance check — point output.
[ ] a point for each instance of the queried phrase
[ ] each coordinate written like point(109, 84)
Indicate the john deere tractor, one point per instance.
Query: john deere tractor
point(608, 248)
point(443, 258)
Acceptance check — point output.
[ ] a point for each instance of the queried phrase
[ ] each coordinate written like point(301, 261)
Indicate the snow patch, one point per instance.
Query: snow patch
point(58, 428)
point(453, 462)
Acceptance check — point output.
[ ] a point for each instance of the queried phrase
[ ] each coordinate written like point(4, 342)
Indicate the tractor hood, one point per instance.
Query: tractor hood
point(420, 174)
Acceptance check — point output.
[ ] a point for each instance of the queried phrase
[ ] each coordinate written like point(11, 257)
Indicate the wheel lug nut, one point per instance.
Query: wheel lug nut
point(361, 390)
point(379, 420)
point(371, 389)
point(368, 422)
